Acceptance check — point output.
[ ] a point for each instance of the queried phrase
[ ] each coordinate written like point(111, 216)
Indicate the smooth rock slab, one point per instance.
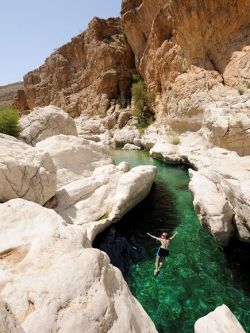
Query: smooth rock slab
point(53, 283)
point(221, 320)
point(74, 157)
point(212, 207)
point(105, 196)
point(46, 122)
point(25, 172)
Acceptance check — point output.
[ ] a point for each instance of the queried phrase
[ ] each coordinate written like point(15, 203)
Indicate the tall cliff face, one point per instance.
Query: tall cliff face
point(189, 53)
point(85, 74)
point(168, 36)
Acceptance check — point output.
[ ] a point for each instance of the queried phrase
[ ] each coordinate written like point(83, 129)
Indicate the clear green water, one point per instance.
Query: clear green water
point(196, 277)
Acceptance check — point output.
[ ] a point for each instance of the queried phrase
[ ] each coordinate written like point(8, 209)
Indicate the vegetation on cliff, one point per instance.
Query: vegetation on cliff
point(9, 117)
point(143, 102)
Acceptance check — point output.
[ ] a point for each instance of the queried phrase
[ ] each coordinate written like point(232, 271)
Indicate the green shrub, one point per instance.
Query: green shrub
point(248, 86)
point(9, 117)
point(143, 103)
point(176, 141)
point(170, 88)
point(241, 91)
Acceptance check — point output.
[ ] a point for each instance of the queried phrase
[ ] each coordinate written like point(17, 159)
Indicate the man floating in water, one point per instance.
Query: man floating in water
point(163, 251)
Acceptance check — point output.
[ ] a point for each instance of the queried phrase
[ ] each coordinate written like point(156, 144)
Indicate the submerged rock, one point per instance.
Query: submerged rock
point(221, 320)
point(46, 122)
point(25, 172)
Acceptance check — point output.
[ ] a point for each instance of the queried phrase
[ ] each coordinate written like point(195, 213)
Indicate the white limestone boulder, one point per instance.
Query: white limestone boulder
point(155, 133)
point(105, 196)
point(55, 282)
point(221, 320)
point(86, 125)
point(25, 172)
point(125, 135)
point(211, 206)
point(129, 146)
point(45, 122)
point(167, 152)
point(74, 157)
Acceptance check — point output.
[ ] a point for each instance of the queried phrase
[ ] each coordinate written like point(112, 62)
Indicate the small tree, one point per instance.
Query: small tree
point(143, 102)
point(9, 117)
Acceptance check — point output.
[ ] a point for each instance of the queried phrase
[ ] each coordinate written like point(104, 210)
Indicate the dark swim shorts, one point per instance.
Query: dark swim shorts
point(162, 252)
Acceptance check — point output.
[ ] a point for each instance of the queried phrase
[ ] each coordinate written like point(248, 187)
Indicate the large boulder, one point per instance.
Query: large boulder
point(211, 206)
point(25, 172)
point(126, 135)
point(129, 146)
point(46, 122)
point(221, 320)
point(105, 196)
point(55, 282)
point(74, 157)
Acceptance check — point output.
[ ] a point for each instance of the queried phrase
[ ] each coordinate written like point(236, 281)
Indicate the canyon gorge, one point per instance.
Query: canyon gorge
point(62, 187)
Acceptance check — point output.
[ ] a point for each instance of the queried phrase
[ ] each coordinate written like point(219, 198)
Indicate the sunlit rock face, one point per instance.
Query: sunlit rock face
point(74, 157)
point(25, 172)
point(45, 122)
point(54, 281)
point(192, 54)
point(221, 320)
point(85, 74)
point(167, 37)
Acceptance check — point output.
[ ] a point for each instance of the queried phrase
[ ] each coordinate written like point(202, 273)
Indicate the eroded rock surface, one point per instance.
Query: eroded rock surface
point(54, 281)
point(8, 323)
point(221, 320)
point(45, 122)
point(105, 196)
point(25, 172)
point(85, 74)
point(191, 55)
point(220, 186)
point(74, 157)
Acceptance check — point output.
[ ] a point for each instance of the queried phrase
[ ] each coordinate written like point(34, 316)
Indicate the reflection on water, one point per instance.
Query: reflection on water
point(197, 277)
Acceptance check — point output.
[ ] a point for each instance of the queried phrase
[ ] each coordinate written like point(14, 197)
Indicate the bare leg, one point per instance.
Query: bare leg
point(161, 260)
point(157, 263)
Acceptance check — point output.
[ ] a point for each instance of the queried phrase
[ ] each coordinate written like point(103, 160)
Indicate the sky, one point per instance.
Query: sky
point(30, 30)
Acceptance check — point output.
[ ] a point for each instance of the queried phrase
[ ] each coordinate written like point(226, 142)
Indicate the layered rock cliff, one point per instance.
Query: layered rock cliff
point(85, 74)
point(190, 55)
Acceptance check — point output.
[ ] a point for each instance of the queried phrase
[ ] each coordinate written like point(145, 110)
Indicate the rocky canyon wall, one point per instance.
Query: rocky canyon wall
point(194, 56)
point(85, 74)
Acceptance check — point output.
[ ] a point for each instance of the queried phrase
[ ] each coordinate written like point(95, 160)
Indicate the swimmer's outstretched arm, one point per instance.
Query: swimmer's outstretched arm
point(152, 236)
point(174, 235)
